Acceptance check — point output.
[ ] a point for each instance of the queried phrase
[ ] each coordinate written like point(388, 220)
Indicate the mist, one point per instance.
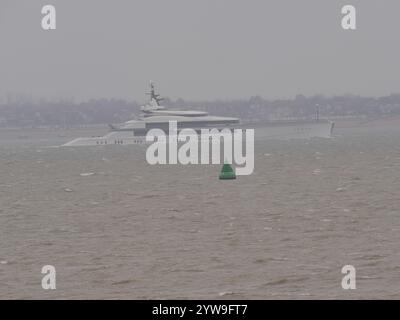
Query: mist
point(198, 50)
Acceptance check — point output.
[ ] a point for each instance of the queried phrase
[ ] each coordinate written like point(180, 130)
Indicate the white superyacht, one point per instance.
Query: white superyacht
point(156, 116)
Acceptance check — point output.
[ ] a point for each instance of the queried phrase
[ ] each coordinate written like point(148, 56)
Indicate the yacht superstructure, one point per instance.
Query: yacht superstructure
point(157, 116)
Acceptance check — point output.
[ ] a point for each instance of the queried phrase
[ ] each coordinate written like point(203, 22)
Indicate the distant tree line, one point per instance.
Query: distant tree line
point(15, 112)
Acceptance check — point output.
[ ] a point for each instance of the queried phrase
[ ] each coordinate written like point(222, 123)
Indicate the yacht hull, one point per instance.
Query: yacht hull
point(279, 130)
point(288, 130)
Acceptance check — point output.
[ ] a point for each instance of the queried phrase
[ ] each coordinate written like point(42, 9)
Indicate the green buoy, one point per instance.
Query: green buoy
point(227, 172)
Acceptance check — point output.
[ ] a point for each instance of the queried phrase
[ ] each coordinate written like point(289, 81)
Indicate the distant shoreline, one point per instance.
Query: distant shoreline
point(339, 123)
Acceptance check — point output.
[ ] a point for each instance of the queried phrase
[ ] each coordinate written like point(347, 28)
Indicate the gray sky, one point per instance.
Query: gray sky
point(199, 49)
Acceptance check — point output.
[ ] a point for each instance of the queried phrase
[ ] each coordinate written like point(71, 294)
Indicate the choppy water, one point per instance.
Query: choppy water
point(126, 229)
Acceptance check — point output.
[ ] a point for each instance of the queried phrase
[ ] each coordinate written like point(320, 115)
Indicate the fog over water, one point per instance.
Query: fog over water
point(116, 227)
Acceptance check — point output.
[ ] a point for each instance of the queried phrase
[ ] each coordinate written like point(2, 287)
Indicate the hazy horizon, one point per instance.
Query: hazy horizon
point(198, 50)
point(275, 177)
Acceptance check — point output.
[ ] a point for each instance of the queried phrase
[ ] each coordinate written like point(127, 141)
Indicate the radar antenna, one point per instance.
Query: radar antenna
point(153, 95)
